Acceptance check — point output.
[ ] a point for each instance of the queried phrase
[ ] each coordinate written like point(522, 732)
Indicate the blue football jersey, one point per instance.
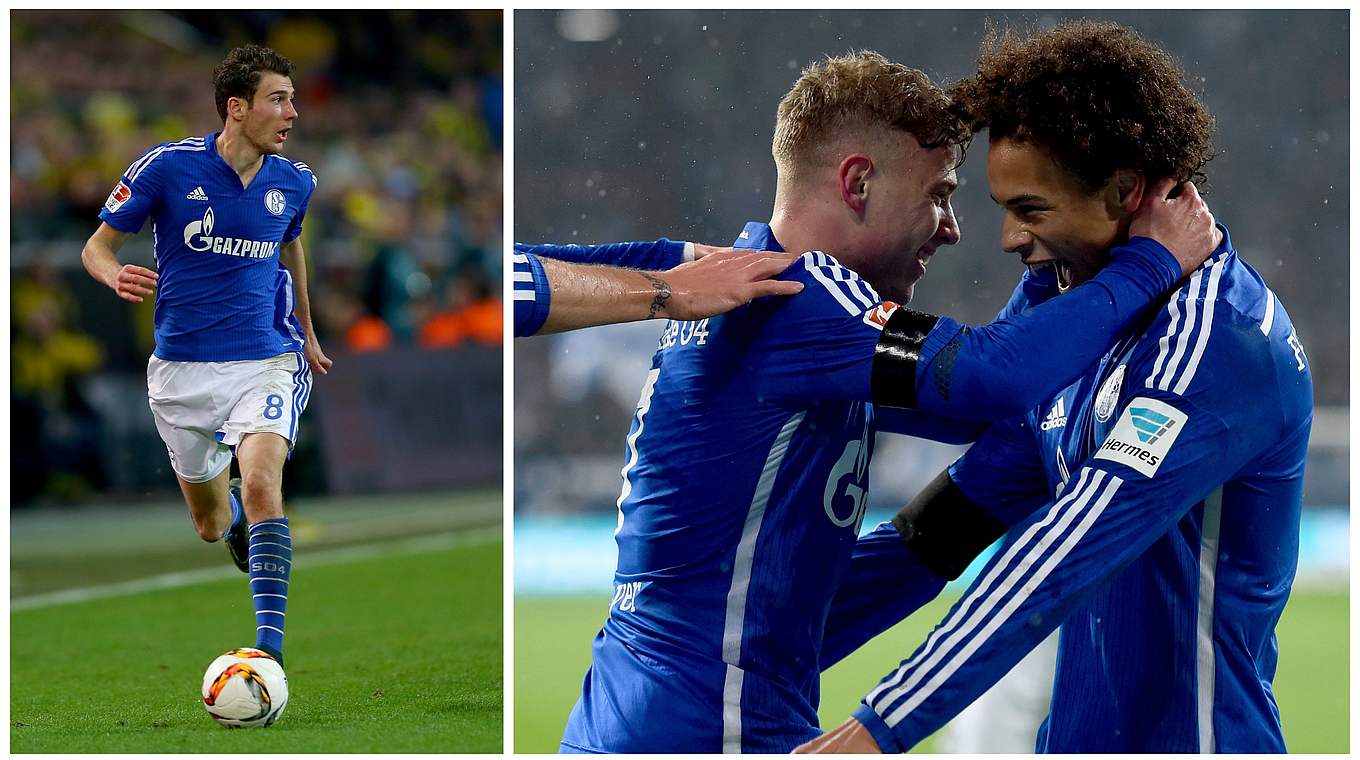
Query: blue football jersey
point(1168, 483)
point(745, 481)
point(222, 294)
point(532, 294)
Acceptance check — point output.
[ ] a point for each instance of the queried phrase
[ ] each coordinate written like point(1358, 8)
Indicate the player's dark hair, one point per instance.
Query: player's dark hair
point(1096, 96)
point(859, 91)
point(239, 74)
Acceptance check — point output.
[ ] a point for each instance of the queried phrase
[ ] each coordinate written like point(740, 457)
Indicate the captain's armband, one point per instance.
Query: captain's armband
point(893, 380)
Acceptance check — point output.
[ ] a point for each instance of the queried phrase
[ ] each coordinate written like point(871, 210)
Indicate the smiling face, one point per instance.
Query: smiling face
point(267, 119)
point(908, 216)
point(1052, 219)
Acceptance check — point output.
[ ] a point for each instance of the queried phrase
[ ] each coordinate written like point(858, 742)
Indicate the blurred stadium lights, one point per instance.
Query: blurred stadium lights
point(587, 25)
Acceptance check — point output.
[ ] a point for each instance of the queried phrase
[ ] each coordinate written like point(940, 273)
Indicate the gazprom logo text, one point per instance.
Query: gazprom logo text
point(198, 236)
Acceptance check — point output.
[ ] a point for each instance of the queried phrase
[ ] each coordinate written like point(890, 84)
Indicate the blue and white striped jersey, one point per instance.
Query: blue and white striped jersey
point(532, 294)
point(222, 294)
point(1169, 552)
point(745, 481)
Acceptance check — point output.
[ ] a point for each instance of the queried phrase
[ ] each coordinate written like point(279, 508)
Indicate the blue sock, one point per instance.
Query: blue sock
point(271, 562)
point(238, 515)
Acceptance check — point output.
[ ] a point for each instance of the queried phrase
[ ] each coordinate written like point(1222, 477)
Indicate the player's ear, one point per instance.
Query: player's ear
point(1125, 192)
point(853, 173)
point(237, 107)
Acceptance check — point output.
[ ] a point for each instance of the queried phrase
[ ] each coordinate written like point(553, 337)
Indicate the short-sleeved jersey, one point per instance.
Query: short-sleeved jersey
point(532, 291)
point(1177, 467)
point(223, 294)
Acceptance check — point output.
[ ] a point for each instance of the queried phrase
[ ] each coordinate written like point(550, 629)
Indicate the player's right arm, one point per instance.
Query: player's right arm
point(100, 257)
point(135, 197)
point(555, 296)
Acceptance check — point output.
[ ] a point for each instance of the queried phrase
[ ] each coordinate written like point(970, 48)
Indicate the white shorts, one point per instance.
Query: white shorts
point(203, 408)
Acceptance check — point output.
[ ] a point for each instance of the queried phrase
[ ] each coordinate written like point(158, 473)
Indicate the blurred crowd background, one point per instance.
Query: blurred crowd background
point(401, 119)
point(637, 125)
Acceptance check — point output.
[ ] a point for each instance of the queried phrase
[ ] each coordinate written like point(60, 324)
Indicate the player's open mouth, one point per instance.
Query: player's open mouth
point(1062, 271)
point(283, 134)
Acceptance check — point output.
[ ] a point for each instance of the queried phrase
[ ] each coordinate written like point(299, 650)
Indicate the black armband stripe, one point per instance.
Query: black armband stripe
point(893, 381)
point(945, 529)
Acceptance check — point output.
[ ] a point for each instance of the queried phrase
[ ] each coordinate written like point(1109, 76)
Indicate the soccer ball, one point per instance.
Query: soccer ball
point(245, 688)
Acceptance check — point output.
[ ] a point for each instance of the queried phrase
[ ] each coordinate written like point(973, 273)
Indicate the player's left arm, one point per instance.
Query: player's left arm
point(294, 258)
point(1167, 452)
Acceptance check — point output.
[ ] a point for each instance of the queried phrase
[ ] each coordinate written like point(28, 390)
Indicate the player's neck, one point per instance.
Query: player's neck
point(239, 154)
point(797, 229)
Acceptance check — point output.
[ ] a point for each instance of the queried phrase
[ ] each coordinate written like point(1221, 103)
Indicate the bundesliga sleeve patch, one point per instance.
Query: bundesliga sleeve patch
point(877, 317)
point(120, 195)
point(1143, 435)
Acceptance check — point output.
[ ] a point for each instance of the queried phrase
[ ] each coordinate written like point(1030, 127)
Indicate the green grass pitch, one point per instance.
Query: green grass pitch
point(552, 652)
point(396, 652)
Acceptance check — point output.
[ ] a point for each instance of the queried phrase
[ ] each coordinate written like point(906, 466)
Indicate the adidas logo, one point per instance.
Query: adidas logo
point(1057, 417)
point(197, 194)
point(1150, 425)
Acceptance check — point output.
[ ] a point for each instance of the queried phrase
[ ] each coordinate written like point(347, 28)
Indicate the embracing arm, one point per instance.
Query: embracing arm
point(1003, 369)
point(555, 296)
point(294, 259)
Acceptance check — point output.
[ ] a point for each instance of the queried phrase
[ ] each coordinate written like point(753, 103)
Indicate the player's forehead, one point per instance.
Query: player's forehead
point(938, 167)
point(1023, 168)
point(273, 82)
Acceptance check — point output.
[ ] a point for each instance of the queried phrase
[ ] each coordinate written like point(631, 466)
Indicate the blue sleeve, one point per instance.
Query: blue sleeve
point(1032, 290)
point(839, 340)
point(531, 293)
point(1168, 450)
point(294, 230)
point(137, 194)
point(656, 255)
point(1005, 368)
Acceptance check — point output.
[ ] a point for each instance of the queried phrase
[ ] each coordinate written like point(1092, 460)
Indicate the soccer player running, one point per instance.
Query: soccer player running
point(747, 462)
point(1177, 459)
point(235, 348)
point(566, 287)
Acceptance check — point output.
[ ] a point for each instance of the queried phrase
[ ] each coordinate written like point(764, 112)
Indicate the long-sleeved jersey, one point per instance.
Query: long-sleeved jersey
point(745, 481)
point(532, 294)
point(1168, 553)
point(222, 293)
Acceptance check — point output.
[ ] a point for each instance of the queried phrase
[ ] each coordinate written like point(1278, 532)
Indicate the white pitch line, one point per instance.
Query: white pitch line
point(309, 559)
